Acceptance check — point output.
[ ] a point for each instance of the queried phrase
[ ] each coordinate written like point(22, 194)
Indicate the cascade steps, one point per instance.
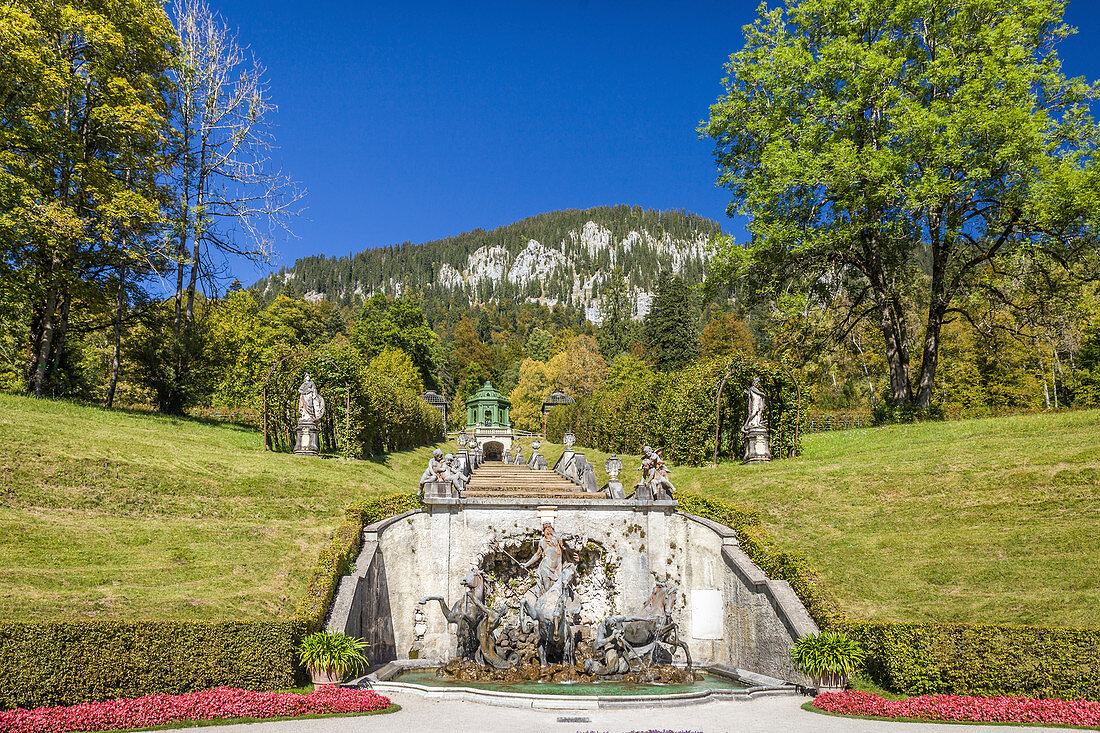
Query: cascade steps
point(495, 480)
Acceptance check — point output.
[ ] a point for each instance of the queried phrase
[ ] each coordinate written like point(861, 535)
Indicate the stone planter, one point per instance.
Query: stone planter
point(830, 683)
point(324, 677)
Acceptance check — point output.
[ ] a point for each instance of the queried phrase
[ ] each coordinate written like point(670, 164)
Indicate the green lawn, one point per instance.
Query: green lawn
point(123, 515)
point(118, 514)
point(994, 520)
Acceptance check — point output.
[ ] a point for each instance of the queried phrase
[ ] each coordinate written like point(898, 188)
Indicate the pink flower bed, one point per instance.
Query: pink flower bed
point(222, 702)
point(955, 707)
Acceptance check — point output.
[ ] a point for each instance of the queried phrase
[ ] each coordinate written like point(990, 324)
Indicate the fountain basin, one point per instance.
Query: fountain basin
point(418, 677)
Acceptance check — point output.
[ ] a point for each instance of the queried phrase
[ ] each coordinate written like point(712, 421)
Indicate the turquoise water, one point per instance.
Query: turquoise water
point(428, 678)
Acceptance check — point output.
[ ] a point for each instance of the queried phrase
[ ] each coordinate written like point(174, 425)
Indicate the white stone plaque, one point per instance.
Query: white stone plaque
point(547, 514)
point(706, 614)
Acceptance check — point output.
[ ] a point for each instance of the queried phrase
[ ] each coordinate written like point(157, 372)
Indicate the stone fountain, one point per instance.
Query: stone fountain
point(514, 587)
point(538, 630)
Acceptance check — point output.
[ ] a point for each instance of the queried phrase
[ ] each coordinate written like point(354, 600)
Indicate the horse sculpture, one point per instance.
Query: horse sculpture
point(476, 623)
point(551, 614)
point(650, 637)
point(467, 612)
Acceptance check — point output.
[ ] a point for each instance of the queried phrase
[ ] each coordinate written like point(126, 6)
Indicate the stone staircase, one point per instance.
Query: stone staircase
point(492, 480)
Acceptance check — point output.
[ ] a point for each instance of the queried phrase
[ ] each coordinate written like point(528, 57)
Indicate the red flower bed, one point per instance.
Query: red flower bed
point(955, 707)
point(222, 702)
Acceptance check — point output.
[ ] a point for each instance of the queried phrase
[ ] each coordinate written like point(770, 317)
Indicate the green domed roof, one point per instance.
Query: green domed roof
point(488, 407)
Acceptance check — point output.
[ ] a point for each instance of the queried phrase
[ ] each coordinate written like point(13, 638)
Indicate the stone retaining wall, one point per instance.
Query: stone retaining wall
point(729, 612)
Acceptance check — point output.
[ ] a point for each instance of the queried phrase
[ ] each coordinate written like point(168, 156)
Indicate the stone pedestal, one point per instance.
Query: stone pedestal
point(757, 446)
point(308, 438)
point(439, 490)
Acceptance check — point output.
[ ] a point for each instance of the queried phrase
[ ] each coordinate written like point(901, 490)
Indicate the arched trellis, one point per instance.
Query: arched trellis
point(718, 405)
point(347, 393)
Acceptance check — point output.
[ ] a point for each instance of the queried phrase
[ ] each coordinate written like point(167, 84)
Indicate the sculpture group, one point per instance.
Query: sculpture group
point(655, 475)
point(648, 637)
point(445, 469)
point(623, 643)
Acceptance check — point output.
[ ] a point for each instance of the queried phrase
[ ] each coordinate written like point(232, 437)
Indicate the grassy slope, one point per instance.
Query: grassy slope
point(119, 514)
point(994, 520)
point(114, 514)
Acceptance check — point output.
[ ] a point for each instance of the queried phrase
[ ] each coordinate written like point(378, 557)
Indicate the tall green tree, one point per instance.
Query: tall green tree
point(672, 324)
point(83, 125)
point(399, 324)
point(540, 344)
point(903, 152)
point(618, 331)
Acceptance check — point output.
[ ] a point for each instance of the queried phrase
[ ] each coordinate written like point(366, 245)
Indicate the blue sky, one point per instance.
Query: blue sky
point(418, 120)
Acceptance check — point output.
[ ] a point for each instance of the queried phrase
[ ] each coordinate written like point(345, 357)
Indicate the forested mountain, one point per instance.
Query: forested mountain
point(564, 257)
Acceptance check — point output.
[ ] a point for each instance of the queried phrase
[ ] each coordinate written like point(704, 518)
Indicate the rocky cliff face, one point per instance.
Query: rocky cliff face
point(566, 258)
point(569, 260)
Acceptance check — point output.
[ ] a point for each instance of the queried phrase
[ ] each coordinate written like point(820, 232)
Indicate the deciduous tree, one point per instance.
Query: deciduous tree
point(533, 387)
point(83, 111)
point(904, 152)
point(230, 199)
point(579, 369)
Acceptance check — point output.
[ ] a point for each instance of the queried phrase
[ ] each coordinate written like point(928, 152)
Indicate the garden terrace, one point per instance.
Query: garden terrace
point(122, 515)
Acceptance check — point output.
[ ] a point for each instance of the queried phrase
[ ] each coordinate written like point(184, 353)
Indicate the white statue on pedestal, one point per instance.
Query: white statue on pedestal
point(755, 419)
point(311, 405)
point(755, 430)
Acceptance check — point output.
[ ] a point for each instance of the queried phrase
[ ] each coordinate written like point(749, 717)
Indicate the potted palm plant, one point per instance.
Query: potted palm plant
point(330, 657)
point(829, 658)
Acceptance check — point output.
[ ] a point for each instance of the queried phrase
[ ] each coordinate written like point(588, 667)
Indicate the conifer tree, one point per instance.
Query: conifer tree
point(617, 329)
point(672, 325)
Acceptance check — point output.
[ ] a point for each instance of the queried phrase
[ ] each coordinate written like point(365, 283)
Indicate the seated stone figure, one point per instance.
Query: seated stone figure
point(518, 460)
point(655, 474)
point(452, 474)
point(436, 470)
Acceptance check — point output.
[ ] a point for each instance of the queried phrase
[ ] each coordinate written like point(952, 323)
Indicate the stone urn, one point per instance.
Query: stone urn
point(614, 466)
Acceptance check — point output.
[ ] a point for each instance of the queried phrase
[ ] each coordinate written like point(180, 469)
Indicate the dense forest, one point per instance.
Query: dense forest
point(578, 252)
point(890, 299)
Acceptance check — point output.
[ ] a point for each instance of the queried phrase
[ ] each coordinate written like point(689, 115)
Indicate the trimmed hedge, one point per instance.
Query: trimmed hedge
point(66, 662)
point(923, 658)
point(675, 411)
point(341, 552)
point(981, 659)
